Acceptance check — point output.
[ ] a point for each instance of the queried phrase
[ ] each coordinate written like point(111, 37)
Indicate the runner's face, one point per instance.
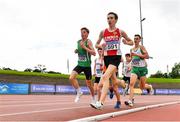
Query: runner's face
point(136, 40)
point(84, 34)
point(100, 52)
point(128, 58)
point(111, 20)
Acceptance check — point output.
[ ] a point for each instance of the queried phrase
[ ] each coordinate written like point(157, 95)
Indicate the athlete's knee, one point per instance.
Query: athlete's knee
point(88, 83)
point(71, 78)
point(131, 84)
point(104, 77)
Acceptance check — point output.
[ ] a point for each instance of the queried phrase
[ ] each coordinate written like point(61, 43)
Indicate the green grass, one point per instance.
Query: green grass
point(20, 73)
point(163, 80)
point(81, 77)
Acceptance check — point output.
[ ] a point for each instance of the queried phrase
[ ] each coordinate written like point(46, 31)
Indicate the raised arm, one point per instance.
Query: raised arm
point(90, 48)
point(126, 39)
point(99, 40)
point(145, 54)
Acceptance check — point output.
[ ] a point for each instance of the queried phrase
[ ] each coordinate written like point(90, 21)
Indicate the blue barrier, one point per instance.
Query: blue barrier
point(167, 91)
point(13, 88)
point(40, 88)
point(70, 89)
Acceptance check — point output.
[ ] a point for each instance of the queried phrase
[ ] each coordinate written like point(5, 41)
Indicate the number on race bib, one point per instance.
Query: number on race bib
point(82, 58)
point(136, 62)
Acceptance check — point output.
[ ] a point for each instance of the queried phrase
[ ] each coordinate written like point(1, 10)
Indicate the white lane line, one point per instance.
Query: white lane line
point(44, 101)
point(113, 114)
point(42, 111)
point(55, 103)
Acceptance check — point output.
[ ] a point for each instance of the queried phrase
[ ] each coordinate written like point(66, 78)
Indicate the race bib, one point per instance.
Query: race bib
point(82, 58)
point(98, 71)
point(136, 62)
point(112, 45)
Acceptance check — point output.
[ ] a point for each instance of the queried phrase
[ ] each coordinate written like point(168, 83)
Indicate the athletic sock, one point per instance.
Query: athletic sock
point(78, 90)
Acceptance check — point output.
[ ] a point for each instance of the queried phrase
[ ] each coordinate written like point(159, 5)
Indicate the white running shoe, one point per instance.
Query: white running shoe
point(129, 103)
point(78, 97)
point(97, 105)
point(152, 90)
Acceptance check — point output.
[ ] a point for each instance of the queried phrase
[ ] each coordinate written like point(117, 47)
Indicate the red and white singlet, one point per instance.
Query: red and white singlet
point(112, 41)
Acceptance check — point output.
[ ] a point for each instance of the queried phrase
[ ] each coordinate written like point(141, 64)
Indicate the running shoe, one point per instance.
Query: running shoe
point(129, 103)
point(97, 105)
point(79, 94)
point(118, 105)
point(152, 90)
point(111, 94)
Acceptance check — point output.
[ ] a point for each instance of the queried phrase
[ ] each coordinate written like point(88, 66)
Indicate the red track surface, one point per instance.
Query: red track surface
point(62, 107)
point(166, 113)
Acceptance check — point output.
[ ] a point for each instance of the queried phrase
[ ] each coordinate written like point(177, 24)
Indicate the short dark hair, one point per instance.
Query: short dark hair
point(86, 29)
point(99, 48)
point(127, 54)
point(115, 15)
point(138, 35)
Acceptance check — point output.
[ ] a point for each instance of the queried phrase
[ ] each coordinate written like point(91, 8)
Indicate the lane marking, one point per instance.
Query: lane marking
point(47, 110)
point(4, 106)
point(114, 114)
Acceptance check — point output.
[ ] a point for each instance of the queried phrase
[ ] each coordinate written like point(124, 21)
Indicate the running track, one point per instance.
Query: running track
point(62, 108)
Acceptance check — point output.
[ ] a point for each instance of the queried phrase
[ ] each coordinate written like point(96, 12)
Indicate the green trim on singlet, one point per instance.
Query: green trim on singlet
point(84, 58)
point(136, 60)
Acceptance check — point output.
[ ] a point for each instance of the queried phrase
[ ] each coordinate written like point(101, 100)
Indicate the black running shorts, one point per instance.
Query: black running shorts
point(113, 60)
point(86, 70)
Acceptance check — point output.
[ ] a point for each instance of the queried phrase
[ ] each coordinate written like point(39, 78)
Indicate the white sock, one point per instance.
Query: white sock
point(78, 90)
point(94, 97)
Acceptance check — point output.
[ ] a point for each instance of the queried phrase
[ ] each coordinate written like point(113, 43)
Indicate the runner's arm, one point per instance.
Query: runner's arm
point(99, 40)
point(94, 68)
point(90, 48)
point(145, 54)
point(126, 39)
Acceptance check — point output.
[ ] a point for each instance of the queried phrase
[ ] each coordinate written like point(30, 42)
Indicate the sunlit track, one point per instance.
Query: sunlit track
point(63, 108)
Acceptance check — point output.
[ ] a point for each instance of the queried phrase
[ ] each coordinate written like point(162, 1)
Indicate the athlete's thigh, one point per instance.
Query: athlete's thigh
point(114, 79)
point(73, 74)
point(133, 79)
point(88, 73)
point(110, 70)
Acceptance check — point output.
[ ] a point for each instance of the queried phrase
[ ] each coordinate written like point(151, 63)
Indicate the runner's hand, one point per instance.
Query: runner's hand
point(76, 51)
point(103, 45)
point(124, 41)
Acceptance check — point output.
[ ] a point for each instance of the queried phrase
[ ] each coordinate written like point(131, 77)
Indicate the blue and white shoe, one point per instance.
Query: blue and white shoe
point(118, 105)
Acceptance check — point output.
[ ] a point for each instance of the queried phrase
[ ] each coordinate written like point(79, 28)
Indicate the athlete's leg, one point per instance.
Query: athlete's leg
point(99, 89)
point(111, 90)
point(110, 70)
point(121, 83)
point(75, 84)
point(95, 88)
point(88, 74)
point(73, 79)
point(144, 85)
point(116, 90)
point(115, 86)
point(131, 95)
point(90, 86)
